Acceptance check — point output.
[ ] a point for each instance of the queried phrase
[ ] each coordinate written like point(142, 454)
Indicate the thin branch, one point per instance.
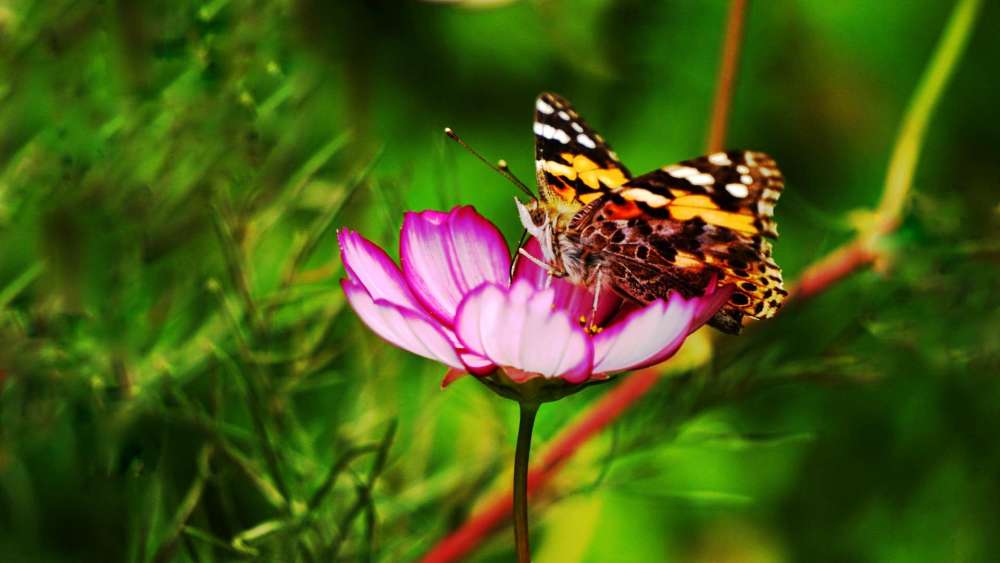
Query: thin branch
point(728, 66)
point(821, 275)
point(866, 247)
point(363, 503)
point(186, 509)
point(913, 131)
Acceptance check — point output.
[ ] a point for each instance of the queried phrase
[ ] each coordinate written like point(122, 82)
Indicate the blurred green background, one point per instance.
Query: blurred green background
point(180, 379)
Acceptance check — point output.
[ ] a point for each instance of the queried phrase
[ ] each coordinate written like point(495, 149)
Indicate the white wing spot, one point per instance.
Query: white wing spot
point(564, 115)
point(743, 169)
point(585, 141)
point(680, 171)
point(746, 179)
point(561, 136)
point(576, 127)
point(538, 128)
point(737, 190)
point(556, 168)
point(702, 179)
point(645, 196)
point(719, 159)
point(613, 155)
point(543, 107)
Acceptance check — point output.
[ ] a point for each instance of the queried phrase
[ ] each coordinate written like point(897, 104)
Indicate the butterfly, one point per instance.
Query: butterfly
point(678, 228)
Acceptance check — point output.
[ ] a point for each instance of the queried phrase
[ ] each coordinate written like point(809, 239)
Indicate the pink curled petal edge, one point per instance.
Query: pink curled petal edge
point(402, 327)
point(446, 255)
point(517, 328)
point(370, 267)
point(710, 303)
point(645, 336)
point(475, 363)
point(482, 251)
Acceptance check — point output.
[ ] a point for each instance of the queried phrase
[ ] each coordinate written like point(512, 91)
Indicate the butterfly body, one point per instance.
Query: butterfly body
point(678, 228)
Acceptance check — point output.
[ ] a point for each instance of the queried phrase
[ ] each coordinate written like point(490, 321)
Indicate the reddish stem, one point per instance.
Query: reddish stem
point(727, 75)
point(832, 268)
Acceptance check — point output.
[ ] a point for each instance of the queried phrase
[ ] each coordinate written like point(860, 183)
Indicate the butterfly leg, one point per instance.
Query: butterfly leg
point(540, 263)
point(592, 325)
point(520, 245)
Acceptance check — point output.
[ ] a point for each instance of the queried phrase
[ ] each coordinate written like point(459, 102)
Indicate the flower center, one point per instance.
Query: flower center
point(588, 326)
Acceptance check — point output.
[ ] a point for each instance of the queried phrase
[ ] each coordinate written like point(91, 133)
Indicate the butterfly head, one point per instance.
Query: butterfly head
point(536, 220)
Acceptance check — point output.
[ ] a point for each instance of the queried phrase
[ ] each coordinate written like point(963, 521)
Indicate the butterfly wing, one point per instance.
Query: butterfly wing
point(573, 163)
point(678, 227)
point(737, 190)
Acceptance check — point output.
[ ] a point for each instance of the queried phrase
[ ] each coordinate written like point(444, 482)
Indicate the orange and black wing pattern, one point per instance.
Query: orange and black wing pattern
point(573, 163)
point(678, 227)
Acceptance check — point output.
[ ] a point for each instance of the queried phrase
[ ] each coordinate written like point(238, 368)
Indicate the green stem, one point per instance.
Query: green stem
point(521, 535)
point(913, 131)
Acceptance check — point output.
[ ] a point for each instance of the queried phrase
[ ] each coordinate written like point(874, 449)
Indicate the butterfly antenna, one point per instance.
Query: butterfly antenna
point(501, 168)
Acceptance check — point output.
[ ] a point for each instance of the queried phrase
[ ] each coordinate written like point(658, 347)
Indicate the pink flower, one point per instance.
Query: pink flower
point(454, 301)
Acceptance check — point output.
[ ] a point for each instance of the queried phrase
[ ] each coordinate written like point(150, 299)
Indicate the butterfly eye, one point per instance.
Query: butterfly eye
point(538, 215)
point(532, 216)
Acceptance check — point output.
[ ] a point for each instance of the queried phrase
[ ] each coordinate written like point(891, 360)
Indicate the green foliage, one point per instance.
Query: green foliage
point(180, 379)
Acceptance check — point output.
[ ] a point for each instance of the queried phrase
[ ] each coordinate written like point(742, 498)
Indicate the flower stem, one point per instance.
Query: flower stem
point(521, 535)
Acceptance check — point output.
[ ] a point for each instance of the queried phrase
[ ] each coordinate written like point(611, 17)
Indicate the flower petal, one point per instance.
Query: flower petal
point(645, 336)
point(575, 299)
point(518, 327)
point(710, 303)
point(402, 327)
point(476, 364)
point(446, 255)
point(369, 266)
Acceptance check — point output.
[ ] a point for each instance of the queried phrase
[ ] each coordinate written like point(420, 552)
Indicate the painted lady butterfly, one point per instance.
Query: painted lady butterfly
point(672, 229)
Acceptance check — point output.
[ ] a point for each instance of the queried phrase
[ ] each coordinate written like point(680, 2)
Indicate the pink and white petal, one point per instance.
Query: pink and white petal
point(446, 255)
point(476, 364)
point(644, 337)
point(402, 327)
point(579, 302)
point(369, 266)
point(517, 327)
point(709, 304)
point(576, 300)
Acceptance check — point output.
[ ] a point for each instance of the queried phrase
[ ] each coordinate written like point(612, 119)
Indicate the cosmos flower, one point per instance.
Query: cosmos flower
point(454, 301)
